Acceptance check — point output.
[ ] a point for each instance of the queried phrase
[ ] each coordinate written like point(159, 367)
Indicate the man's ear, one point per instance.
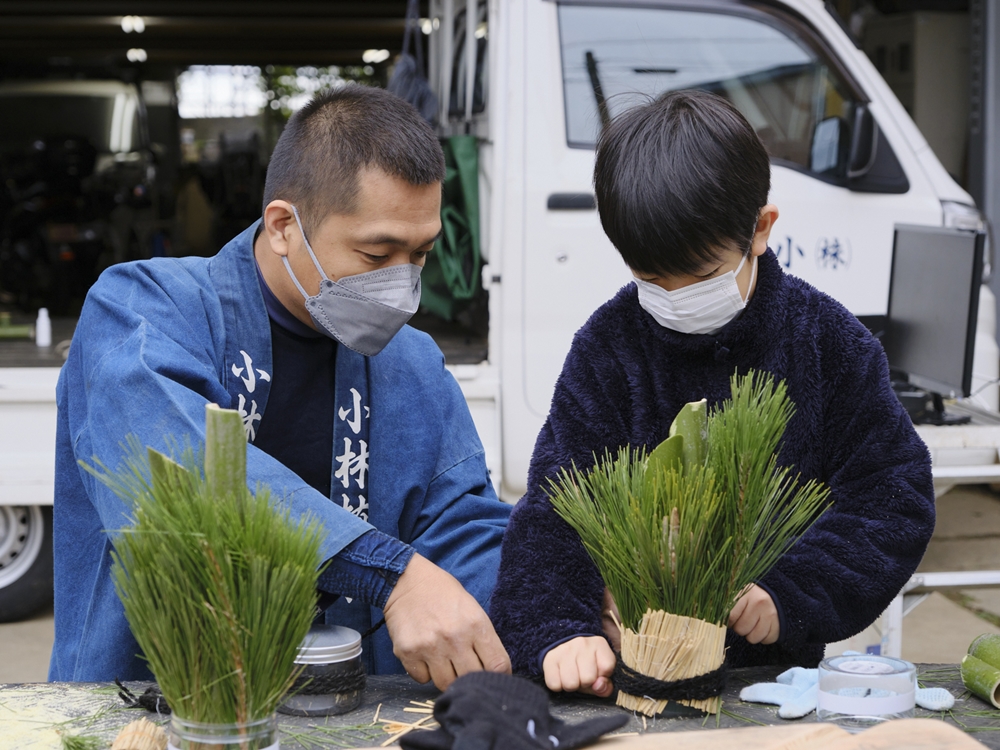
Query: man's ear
point(765, 223)
point(281, 227)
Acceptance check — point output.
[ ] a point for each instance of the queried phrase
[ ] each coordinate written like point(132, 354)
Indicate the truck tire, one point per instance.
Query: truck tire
point(25, 560)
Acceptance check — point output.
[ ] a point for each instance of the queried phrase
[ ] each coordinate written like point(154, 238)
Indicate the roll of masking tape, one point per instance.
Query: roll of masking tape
point(859, 690)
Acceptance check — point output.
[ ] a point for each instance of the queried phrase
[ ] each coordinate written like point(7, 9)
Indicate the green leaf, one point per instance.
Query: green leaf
point(691, 423)
point(668, 456)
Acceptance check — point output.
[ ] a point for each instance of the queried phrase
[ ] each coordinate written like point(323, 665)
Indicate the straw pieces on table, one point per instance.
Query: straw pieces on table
point(398, 728)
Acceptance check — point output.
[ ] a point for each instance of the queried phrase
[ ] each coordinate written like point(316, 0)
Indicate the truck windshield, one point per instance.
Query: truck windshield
point(624, 56)
point(25, 118)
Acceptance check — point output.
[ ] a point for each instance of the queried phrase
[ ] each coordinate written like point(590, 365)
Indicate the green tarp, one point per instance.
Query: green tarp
point(451, 277)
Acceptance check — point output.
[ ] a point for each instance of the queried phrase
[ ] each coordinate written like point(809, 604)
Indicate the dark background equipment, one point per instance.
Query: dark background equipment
point(931, 322)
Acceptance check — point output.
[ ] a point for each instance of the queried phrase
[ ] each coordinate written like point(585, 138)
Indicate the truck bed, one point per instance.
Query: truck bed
point(460, 346)
point(24, 353)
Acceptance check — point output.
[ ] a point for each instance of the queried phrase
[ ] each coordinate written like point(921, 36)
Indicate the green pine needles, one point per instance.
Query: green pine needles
point(686, 528)
point(219, 586)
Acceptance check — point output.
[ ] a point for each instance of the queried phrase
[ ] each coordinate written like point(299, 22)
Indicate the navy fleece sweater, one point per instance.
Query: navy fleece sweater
point(625, 379)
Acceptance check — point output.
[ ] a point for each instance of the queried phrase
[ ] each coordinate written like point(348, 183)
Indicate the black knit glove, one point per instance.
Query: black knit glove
point(487, 711)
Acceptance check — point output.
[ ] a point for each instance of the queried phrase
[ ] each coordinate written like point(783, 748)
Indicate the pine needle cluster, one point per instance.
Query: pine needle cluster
point(686, 528)
point(218, 585)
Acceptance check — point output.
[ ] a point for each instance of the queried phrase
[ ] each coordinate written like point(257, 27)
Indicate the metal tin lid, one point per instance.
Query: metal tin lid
point(329, 644)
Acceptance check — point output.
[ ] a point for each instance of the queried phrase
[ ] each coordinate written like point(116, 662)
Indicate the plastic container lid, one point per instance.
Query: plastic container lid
point(329, 644)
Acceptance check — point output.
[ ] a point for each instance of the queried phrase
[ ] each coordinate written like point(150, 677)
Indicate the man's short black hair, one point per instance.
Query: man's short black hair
point(342, 131)
point(678, 180)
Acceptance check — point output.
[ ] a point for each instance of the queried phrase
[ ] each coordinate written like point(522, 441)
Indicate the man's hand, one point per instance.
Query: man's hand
point(755, 617)
point(584, 664)
point(438, 630)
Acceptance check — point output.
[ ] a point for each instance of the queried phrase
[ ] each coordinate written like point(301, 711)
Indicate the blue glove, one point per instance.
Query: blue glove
point(795, 693)
point(935, 699)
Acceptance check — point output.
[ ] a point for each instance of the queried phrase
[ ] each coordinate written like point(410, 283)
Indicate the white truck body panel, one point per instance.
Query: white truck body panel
point(27, 435)
point(549, 270)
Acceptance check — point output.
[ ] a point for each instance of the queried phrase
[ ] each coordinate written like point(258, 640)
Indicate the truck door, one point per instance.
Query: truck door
point(834, 231)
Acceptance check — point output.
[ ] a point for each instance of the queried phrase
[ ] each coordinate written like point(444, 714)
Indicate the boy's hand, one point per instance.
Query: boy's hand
point(755, 617)
point(582, 664)
point(438, 629)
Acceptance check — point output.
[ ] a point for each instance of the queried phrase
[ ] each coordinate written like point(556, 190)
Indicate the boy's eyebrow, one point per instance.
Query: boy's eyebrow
point(388, 239)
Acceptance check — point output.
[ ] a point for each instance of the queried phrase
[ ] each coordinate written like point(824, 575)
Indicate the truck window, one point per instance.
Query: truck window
point(616, 57)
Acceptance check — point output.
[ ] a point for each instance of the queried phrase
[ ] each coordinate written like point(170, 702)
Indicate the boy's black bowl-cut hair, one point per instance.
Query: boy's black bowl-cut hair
point(678, 180)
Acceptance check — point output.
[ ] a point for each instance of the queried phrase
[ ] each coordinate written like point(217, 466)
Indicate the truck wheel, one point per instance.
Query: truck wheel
point(25, 560)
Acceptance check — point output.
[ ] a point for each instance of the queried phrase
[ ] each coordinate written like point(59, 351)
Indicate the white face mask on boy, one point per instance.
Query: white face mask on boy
point(703, 307)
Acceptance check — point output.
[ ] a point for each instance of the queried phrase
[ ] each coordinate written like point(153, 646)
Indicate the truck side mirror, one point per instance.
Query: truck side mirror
point(864, 143)
point(827, 149)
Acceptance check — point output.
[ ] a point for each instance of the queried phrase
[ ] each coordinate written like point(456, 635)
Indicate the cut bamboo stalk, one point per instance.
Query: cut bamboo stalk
point(670, 648)
point(987, 648)
point(225, 452)
point(982, 679)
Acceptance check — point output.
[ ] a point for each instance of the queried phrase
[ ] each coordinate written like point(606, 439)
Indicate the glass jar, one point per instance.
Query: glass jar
point(332, 678)
point(859, 690)
point(253, 735)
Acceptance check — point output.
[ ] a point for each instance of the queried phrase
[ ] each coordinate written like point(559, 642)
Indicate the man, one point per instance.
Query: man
point(298, 323)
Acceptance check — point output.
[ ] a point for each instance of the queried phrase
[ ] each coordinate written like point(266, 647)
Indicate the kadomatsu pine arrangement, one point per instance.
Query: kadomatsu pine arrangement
point(218, 586)
point(679, 534)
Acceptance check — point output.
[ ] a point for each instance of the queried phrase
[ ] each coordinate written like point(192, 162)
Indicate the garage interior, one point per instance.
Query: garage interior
point(201, 180)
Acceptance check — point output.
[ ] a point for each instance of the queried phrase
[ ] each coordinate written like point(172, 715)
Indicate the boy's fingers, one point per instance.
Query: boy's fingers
point(773, 632)
point(552, 682)
point(759, 632)
point(745, 624)
point(569, 676)
point(586, 667)
point(602, 688)
point(606, 662)
point(737, 612)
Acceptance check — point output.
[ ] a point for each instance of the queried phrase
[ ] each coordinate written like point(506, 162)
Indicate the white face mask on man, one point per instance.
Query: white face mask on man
point(703, 307)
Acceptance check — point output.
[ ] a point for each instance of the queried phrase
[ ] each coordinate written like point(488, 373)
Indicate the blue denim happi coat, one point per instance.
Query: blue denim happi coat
point(159, 339)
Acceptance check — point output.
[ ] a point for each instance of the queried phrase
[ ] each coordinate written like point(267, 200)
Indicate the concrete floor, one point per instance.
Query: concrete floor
point(967, 537)
point(25, 648)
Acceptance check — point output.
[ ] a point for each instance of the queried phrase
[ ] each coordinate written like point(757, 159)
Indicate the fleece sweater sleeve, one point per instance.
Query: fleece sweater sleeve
point(548, 589)
point(846, 569)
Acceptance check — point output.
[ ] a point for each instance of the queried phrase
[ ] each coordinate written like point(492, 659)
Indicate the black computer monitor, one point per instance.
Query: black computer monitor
point(930, 330)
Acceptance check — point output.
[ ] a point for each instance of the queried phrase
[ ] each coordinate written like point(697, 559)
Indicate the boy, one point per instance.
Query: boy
point(682, 186)
point(299, 324)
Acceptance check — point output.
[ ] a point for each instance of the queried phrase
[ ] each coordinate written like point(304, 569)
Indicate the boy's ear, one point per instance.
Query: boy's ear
point(765, 223)
point(280, 225)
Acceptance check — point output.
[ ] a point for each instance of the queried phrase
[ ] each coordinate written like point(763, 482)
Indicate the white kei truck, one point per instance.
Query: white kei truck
point(848, 163)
